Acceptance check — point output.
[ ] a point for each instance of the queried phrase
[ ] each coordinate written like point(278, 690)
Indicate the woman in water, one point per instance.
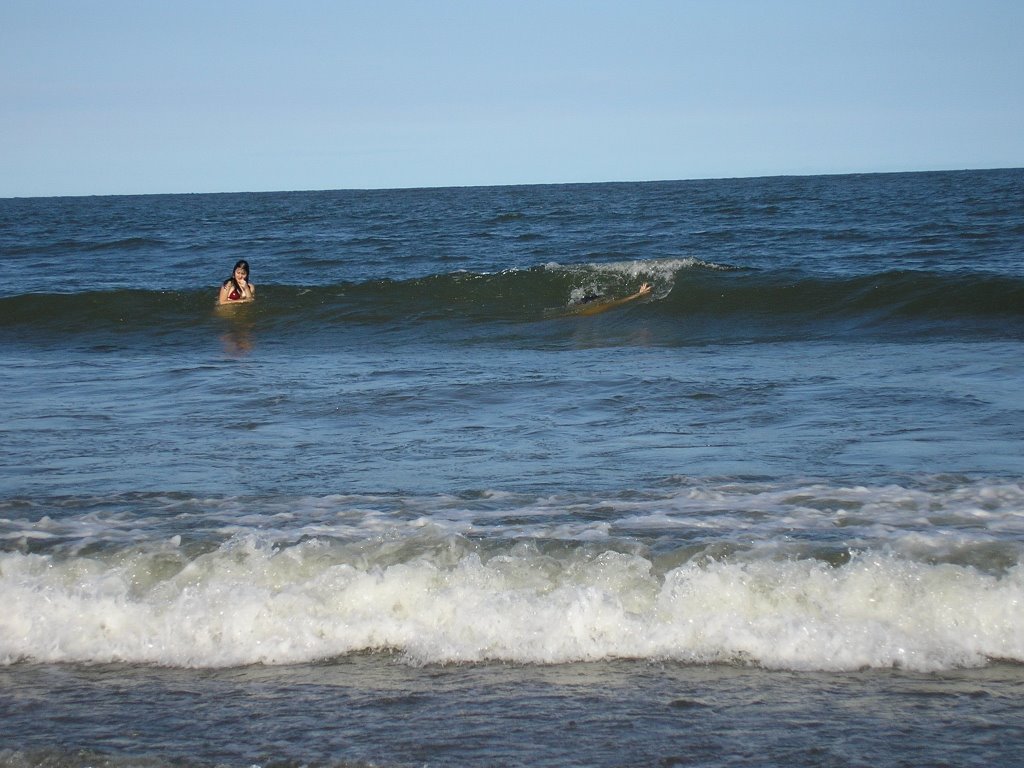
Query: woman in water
point(237, 287)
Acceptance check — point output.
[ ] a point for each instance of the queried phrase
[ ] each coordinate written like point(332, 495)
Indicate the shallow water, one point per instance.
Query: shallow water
point(371, 710)
point(411, 507)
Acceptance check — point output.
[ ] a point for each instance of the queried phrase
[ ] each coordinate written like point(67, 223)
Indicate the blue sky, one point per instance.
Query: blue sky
point(141, 96)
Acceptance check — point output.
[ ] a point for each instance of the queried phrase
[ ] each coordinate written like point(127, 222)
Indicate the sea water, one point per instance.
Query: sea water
point(412, 507)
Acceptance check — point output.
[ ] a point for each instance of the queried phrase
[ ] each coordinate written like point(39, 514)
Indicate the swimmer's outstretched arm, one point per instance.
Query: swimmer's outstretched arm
point(600, 306)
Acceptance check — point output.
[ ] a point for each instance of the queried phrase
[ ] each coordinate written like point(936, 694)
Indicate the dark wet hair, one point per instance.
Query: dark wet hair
point(244, 265)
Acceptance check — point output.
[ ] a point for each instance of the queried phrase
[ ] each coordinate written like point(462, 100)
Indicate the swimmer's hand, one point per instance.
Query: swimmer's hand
point(644, 289)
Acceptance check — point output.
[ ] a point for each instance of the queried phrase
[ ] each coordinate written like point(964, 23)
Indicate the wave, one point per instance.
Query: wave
point(802, 577)
point(444, 600)
point(64, 247)
point(709, 296)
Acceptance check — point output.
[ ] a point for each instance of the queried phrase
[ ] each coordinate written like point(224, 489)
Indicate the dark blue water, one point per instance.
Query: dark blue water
point(418, 504)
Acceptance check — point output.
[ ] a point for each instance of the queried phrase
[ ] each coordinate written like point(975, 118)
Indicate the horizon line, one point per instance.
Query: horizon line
point(516, 184)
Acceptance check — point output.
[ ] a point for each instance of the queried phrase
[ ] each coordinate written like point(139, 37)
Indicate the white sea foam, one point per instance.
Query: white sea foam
point(597, 278)
point(801, 576)
point(640, 267)
point(920, 521)
point(441, 598)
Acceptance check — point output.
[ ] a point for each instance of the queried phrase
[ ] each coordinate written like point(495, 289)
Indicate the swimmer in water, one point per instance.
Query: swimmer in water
point(237, 288)
point(592, 305)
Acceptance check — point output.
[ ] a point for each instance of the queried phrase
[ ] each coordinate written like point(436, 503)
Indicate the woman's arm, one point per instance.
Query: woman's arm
point(247, 291)
point(225, 291)
point(596, 307)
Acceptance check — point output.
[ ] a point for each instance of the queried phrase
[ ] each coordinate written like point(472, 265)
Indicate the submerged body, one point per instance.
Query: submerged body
point(593, 305)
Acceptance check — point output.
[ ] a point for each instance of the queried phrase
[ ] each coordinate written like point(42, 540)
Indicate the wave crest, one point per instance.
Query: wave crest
point(247, 602)
point(691, 300)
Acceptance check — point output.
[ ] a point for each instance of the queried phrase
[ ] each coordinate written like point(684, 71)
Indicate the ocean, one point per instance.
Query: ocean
point(429, 502)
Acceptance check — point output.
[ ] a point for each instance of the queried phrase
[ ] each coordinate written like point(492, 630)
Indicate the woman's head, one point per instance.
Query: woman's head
point(241, 270)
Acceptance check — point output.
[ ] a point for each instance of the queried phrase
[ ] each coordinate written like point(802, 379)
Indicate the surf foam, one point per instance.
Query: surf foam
point(447, 600)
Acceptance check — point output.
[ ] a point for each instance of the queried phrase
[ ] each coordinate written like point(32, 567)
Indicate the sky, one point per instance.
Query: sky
point(140, 96)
